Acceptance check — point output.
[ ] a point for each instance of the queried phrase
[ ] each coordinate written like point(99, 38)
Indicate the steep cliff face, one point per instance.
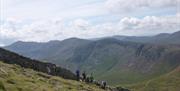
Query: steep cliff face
point(52, 69)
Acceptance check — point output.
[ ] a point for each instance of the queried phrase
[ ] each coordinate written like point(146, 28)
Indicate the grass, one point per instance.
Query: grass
point(117, 76)
point(168, 82)
point(16, 78)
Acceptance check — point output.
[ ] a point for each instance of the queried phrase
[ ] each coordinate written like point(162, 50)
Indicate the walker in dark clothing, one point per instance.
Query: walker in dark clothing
point(78, 75)
point(84, 76)
point(91, 78)
point(104, 84)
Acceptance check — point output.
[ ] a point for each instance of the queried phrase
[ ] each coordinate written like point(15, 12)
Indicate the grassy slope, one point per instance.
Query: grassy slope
point(168, 82)
point(16, 78)
point(120, 76)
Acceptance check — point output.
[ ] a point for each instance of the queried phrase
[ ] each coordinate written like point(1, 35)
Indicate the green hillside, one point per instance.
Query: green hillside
point(116, 61)
point(168, 82)
point(16, 78)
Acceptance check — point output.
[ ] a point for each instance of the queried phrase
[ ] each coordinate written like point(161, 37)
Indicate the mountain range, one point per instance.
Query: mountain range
point(18, 73)
point(163, 38)
point(116, 59)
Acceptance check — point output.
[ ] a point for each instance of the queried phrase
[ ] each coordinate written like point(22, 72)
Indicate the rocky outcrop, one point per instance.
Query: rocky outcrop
point(49, 68)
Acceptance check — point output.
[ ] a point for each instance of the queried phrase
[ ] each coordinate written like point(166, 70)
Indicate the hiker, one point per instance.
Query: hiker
point(91, 78)
point(84, 76)
point(87, 79)
point(97, 83)
point(78, 75)
point(103, 84)
point(48, 70)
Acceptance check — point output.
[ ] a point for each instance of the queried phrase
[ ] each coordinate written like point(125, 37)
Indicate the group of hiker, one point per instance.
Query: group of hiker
point(89, 79)
point(84, 77)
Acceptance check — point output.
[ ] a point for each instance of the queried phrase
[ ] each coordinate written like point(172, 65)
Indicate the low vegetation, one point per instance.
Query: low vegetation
point(168, 82)
point(16, 78)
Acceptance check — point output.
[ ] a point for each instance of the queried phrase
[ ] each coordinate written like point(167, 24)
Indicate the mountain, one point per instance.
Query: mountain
point(163, 38)
point(18, 73)
point(167, 82)
point(17, 78)
point(52, 69)
point(125, 62)
point(49, 50)
point(118, 61)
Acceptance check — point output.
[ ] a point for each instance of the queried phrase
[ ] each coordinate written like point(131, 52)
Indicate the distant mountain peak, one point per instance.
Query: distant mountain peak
point(73, 39)
point(176, 33)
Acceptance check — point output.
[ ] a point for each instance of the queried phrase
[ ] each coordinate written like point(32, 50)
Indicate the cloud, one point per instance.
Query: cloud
point(80, 24)
point(36, 31)
point(1, 45)
point(135, 5)
point(59, 29)
point(26, 21)
point(47, 9)
point(150, 25)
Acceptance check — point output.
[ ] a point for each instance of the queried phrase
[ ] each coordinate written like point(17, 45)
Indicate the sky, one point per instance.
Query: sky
point(45, 20)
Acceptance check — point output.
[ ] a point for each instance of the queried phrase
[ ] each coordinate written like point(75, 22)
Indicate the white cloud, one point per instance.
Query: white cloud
point(134, 5)
point(150, 25)
point(36, 31)
point(38, 20)
point(57, 30)
point(48, 9)
point(1, 45)
point(80, 24)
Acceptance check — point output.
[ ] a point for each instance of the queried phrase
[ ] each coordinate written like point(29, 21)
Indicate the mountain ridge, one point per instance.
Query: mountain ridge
point(162, 38)
point(49, 68)
point(18, 73)
point(109, 57)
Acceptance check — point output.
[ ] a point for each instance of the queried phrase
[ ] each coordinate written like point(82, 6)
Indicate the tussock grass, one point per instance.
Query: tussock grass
point(16, 78)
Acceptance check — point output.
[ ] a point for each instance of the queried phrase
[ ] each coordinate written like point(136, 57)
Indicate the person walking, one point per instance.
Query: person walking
point(77, 75)
point(103, 84)
point(91, 78)
point(84, 76)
